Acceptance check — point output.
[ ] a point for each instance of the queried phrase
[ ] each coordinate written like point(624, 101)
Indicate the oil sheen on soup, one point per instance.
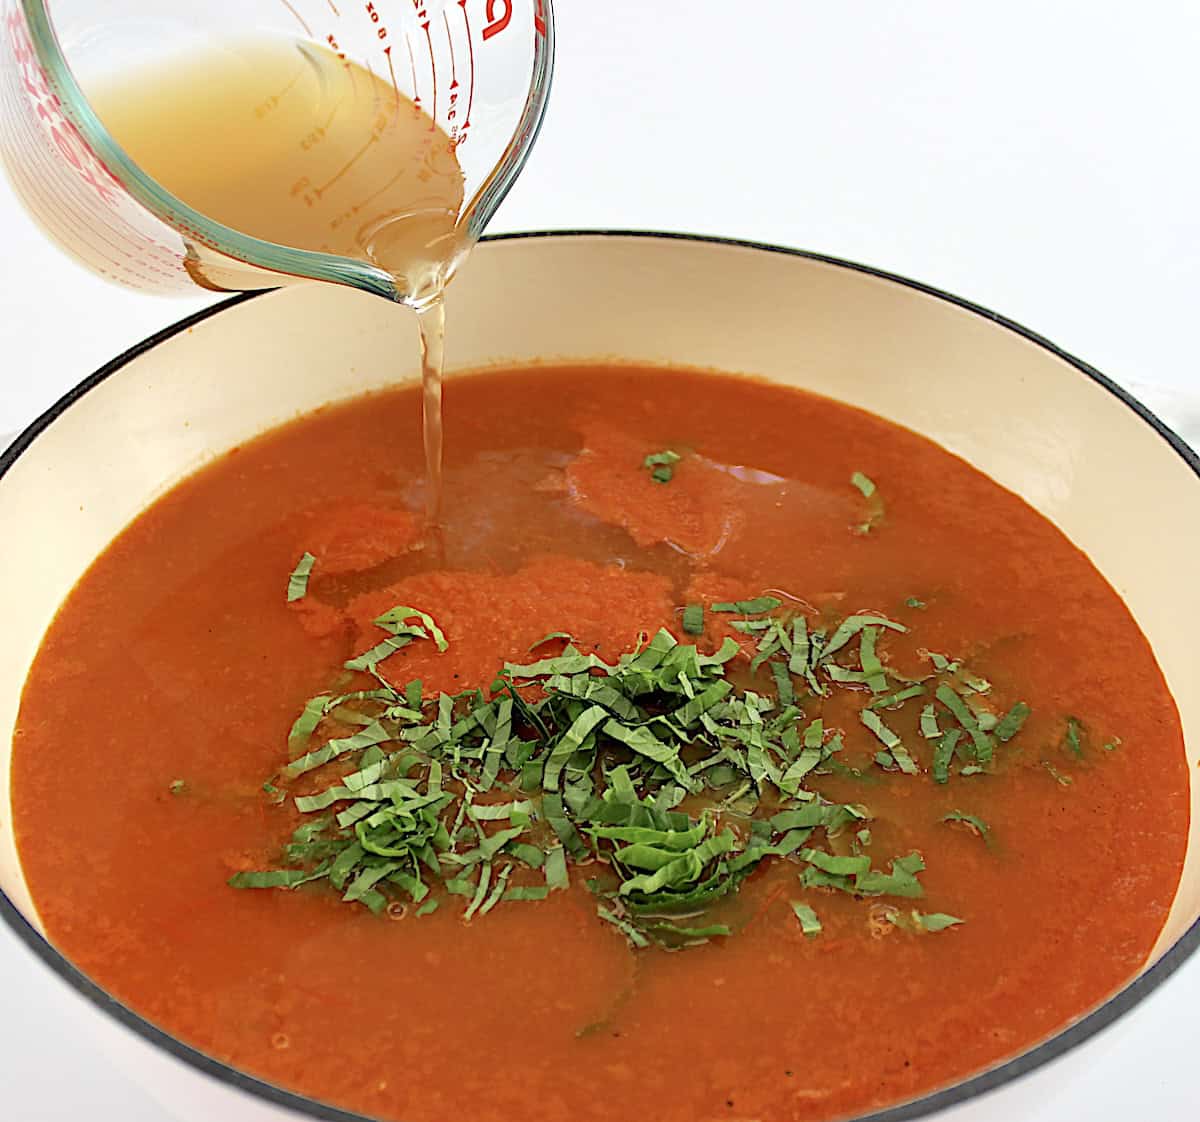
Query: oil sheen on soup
point(729, 754)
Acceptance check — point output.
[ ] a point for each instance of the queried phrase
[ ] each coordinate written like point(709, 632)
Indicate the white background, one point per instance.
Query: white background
point(1038, 156)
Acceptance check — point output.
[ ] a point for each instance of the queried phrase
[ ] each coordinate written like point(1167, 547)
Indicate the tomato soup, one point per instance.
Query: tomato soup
point(727, 753)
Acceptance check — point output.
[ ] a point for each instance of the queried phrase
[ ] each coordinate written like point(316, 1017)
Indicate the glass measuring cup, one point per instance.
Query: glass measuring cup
point(479, 70)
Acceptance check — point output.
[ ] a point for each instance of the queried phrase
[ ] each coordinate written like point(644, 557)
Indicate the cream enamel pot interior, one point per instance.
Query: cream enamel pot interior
point(1037, 421)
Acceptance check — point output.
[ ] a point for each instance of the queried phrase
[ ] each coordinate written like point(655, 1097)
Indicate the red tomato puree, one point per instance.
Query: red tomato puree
point(177, 658)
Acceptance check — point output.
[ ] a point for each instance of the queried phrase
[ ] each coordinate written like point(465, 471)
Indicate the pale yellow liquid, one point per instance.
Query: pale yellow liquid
point(290, 144)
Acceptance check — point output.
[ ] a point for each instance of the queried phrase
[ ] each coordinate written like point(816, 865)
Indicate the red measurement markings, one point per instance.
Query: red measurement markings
point(452, 112)
point(334, 46)
point(497, 21)
point(453, 61)
point(470, 66)
point(382, 32)
point(539, 18)
point(47, 109)
point(299, 17)
point(412, 63)
point(392, 71)
point(106, 234)
point(423, 16)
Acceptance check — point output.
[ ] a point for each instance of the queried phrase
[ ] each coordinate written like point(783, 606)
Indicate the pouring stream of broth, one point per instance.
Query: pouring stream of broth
point(293, 145)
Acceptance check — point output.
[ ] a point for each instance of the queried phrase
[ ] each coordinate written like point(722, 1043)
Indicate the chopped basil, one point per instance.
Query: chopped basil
point(962, 713)
point(306, 723)
point(497, 892)
point(875, 510)
point(1011, 723)
point(839, 866)
point(272, 878)
point(628, 929)
point(563, 635)
point(750, 607)
point(571, 760)
point(661, 465)
point(482, 812)
point(370, 659)
point(396, 619)
point(298, 581)
point(481, 890)
point(890, 741)
point(898, 698)
point(556, 869)
point(944, 753)
point(373, 734)
point(977, 825)
point(934, 922)
point(1073, 737)
point(809, 923)
point(671, 936)
point(527, 892)
point(901, 881)
point(872, 668)
point(871, 719)
point(864, 484)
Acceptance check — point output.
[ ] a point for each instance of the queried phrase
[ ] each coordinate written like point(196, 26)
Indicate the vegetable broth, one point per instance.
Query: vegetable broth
point(294, 144)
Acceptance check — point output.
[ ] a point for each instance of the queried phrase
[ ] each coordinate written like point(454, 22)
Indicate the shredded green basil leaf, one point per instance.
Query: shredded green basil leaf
point(298, 581)
point(1073, 737)
point(661, 465)
point(1011, 723)
point(934, 922)
point(864, 484)
point(271, 878)
point(977, 824)
point(556, 869)
point(757, 606)
point(875, 510)
point(527, 892)
point(809, 923)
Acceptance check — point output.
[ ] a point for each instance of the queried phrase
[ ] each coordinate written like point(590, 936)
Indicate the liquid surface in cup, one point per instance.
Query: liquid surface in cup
point(291, 144)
